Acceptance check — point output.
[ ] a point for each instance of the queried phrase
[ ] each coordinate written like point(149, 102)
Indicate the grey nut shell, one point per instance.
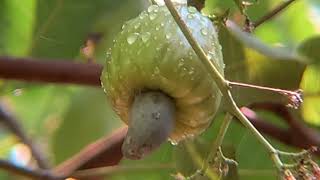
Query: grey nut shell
point(151, 53)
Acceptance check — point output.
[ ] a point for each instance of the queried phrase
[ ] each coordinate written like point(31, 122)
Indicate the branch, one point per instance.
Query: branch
point(34, 174)
point(272, 13)
point(300, 131)
point(15, 127)
point(41, 70)
point(103, 152)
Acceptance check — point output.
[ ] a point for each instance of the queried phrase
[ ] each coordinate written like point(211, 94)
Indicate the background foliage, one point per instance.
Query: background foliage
point(282, 53)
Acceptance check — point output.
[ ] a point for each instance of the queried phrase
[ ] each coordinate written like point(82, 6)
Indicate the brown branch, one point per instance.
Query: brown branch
point(41, 70)
point(31, 173)
point(272, 13)
point(106, 151)
point(292, 136)
point(103, 152)
point(15, 127)
point(299, 130)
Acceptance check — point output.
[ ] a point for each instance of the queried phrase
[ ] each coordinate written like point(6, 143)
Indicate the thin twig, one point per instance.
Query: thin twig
point(34, 174)
point(301, 133)
point(16, 128)
point(272, 13)
point(56, 71)
point(103, 171)
point(217, 144)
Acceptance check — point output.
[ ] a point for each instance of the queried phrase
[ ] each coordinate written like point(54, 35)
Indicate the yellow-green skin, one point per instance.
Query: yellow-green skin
point(151, 53)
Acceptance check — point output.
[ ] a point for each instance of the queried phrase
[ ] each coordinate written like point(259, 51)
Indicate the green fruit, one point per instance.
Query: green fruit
point(152, 54)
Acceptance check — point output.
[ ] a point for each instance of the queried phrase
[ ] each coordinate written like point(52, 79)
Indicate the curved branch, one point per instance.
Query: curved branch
point(15, 127)
point(41, 70)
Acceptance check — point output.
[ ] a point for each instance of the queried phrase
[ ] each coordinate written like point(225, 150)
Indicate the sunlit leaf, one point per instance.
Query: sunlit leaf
point(311, 81)
point(257, 63)
point(88, 118)
point(63, 25)
point(16, 26)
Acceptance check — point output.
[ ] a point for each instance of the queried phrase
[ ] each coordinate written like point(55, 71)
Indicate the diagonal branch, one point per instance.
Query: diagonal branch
point(30, 173)
point(15, 127)
point(272, 13)
point(103, 152)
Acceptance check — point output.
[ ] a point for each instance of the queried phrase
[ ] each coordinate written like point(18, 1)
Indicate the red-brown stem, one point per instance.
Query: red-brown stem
point(54, 71)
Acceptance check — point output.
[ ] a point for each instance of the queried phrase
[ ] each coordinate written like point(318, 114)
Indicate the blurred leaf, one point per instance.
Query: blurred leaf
point(294, 18)
point(88, 118)
point(63, 25)
point(311, 82)
point(310, 48)
point(250, 61)
point(36, 105)
point(16, 26)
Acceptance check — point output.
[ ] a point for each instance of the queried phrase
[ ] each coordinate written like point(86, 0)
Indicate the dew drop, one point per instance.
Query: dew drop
point(152, 8)
point(204, 31)
point(132, 38)
point(168, 36)
point(137, 26)
point(145, 37)
point(152, 16)
point(190, 16)
point(174, 143)
point(156, 70)
point(192, 9)
point(162, 24)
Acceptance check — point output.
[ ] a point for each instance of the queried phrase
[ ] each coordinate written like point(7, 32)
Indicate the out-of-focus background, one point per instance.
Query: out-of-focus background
point(62, 119)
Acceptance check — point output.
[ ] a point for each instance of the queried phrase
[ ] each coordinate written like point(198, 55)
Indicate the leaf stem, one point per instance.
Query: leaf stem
point(217, 77)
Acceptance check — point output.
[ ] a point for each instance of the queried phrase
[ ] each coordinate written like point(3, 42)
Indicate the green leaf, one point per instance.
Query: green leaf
point(248, 60)
point(88, 118)
point(310, 48)
point(63, 25)
point(311, 81)
point(16, 26)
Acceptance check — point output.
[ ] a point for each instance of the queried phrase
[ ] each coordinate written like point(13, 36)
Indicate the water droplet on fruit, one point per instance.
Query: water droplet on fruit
point(190, 16)
point(174, 143)
point(168, 36)
point(157, 28)
point(156, 70)
point(132, 38)
point(145, 36)
point(137, 26)
point(204, 31)
point(162, 24)
point(152, 16)
point(152, 8)
point(192, 10)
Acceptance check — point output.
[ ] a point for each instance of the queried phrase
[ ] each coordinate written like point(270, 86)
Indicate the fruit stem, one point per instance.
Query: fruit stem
point(223, 86)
